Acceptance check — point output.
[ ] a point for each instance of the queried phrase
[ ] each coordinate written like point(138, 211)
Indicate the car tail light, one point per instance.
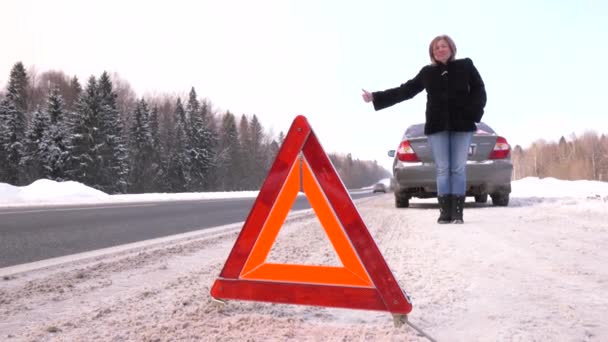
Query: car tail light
point(501, 149)
point(406, 153)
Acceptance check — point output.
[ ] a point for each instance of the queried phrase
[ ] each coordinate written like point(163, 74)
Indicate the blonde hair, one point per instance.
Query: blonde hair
point(448, 40)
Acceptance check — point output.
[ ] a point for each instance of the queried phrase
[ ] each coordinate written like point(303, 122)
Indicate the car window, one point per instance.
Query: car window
point(414, 131)
point(485, 128)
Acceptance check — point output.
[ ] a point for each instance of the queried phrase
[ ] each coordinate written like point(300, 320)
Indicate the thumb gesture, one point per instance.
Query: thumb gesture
point(367, 96)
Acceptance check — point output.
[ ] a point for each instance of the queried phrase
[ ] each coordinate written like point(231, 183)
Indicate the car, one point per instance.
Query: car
point(379, 187)
point(489, 167)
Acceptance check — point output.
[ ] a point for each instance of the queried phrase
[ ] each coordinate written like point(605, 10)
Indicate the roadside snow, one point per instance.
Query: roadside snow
point(533, 271)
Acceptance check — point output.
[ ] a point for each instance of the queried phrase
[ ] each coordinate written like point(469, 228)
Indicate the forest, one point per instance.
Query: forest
point(100, 133)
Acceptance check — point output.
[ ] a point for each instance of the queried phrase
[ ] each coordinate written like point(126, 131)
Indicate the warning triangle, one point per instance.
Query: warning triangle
point(363, 282)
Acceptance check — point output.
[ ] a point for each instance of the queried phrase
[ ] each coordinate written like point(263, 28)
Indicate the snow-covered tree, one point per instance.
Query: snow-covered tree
point(141, 176)
point(86, 140)
point(56, 154)
point(4, 132)
point(179, 162)
point(272, 151)
point(200, 144)
point(114, 153)
point(18, 86)
point(229, 153)
point(73, 94)
point(243, 165)
point(259, 153)
point(155, 128)
point(281, 138)
point(35, 147)
point(209, 138)
point(13, 124)
point(160, 172)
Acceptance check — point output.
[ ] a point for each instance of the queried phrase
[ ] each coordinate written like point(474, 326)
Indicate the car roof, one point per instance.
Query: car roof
point(417, 130)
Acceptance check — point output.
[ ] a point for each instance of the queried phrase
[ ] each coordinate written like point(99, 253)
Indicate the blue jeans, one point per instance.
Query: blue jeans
point(450, 151)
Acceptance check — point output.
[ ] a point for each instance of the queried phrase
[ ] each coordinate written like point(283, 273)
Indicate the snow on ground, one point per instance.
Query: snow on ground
point(533, 271)
point(48, 192)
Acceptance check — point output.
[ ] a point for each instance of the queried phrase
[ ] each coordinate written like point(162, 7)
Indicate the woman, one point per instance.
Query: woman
point(456, 98)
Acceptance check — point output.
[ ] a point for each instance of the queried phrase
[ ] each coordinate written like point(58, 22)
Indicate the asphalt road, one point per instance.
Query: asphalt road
point(38, 233)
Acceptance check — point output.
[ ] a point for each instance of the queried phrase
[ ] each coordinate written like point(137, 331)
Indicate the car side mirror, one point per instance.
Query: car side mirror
point(391, 153)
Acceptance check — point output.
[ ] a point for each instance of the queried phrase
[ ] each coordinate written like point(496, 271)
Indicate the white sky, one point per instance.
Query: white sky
point(48, 192)
point(279, 58)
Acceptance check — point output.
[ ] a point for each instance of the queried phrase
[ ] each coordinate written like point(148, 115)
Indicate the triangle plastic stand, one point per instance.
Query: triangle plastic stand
point(365, 280)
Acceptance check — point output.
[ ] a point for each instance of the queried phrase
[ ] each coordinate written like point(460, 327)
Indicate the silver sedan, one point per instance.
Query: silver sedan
point(489, 167)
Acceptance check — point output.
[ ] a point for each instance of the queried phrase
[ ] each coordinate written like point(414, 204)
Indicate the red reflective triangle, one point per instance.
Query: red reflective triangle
point(365, 280)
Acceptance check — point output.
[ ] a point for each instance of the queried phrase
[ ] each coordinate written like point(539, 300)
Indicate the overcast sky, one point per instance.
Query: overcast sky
point(542, 61)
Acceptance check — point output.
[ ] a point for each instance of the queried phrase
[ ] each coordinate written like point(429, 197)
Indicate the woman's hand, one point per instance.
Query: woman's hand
point(367, 96)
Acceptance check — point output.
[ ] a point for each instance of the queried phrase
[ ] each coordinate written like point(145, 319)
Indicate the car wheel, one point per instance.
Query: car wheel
point(402, 202)
point(499, 199)
point(481, 198)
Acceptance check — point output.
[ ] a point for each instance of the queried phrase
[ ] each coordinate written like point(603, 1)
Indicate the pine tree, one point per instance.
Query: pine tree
point(18, 86)
point(201, 144)
point(13, 125)
point(4, 132)
point(160, 172)
point(12, 139)
point(245, 162)
point(179, 162)
point(193, 119)
point(142, 149)
point(229, 153)
point(211, 124)
point(73, 94)
point(155, 129)
point(258, 151)
point(35, 147)
point(85, 143)
point(167, 137)
point(272, 152)
point(113, 151)
point(54, 160)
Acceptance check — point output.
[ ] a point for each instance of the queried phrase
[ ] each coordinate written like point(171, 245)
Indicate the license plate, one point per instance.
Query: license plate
point(471, 150)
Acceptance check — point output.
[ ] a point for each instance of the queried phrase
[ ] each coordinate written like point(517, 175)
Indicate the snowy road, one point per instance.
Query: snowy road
point(29, 234)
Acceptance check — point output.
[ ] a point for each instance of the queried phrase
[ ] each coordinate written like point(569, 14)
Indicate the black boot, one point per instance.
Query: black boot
point(445, 204)
point(457, 208)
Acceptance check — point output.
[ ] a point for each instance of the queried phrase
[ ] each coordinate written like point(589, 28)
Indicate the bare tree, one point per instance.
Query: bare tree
point(126, 99)
point(46, 81)
point(590, 143)
point(603, 174)
point(518, 162)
